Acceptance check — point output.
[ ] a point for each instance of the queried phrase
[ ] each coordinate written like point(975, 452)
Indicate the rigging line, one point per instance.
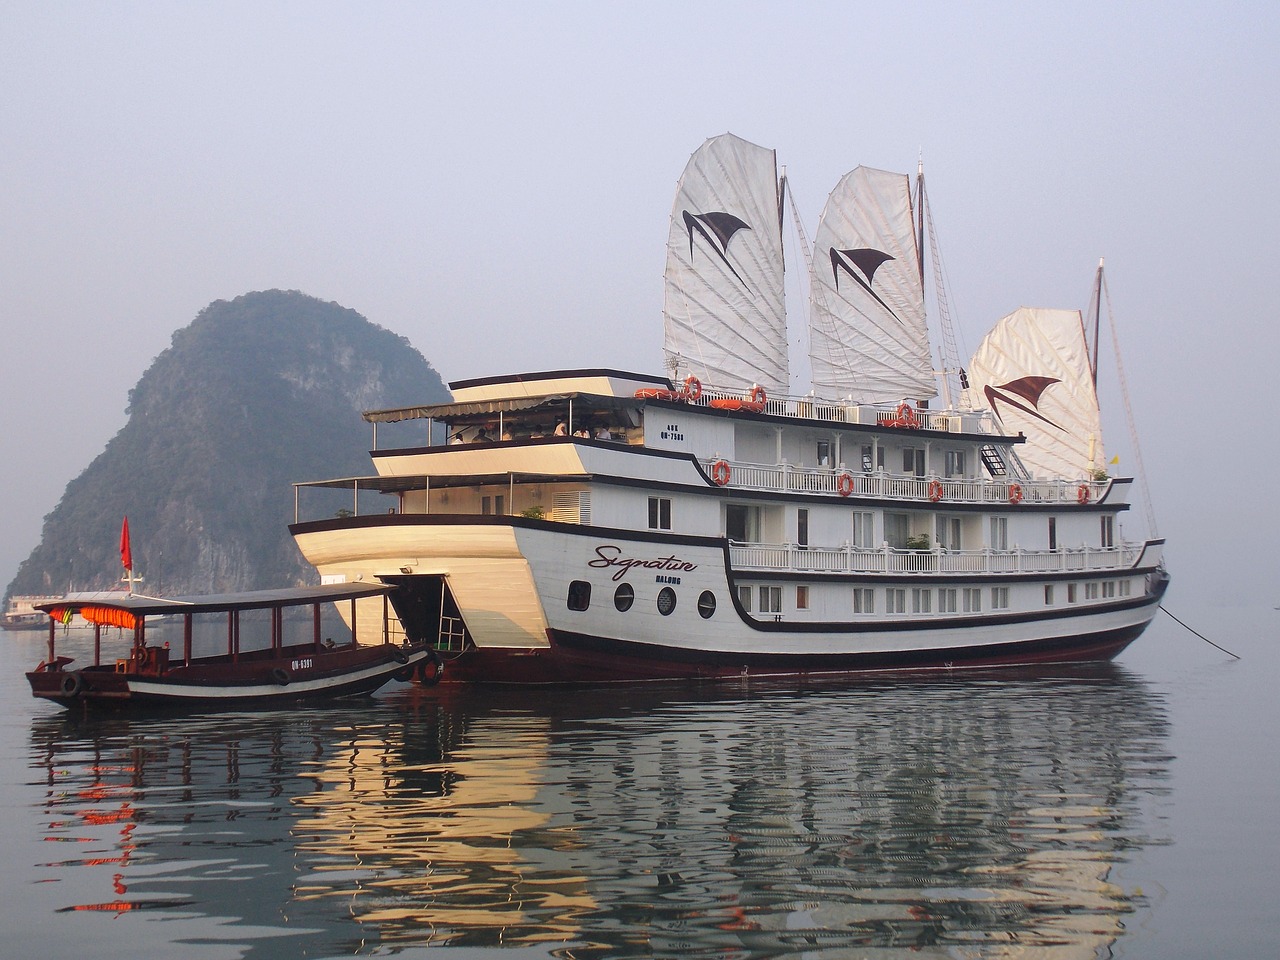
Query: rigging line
point(1141, 472)
point(1200, 635)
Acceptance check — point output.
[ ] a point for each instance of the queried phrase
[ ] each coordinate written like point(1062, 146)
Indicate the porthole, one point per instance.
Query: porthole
point(623, 597)
point(579, 595)
point(706, 605)
point(666, 601)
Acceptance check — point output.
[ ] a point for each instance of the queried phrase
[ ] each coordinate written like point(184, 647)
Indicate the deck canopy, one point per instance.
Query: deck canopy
point(479, 409)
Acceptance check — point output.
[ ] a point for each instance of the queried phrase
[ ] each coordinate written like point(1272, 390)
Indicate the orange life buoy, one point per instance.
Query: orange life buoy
point(1082, 493)
point(758, 397)
point(720, 473)
point(1015, 493)
point(844, 484)
point(692, 388)
point(906, 417)
point(655, 393)
point(935, 490)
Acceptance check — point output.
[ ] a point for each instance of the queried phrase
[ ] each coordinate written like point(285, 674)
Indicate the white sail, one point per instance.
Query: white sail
point(867, 334)
point(1033, 373)
point(723, 311)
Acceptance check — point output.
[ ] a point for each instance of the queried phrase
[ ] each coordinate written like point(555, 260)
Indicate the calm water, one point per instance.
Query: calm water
point(1121, 811)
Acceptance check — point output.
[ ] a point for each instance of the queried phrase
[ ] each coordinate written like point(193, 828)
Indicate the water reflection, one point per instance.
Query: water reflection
point(951, 818)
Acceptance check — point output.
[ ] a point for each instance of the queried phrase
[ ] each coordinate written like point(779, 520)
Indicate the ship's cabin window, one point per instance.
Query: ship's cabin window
point(824, 453)
point(897, 528)
point(1071, 593)
point(1053, 533)
point(953, 463)
point(913, 461)
point(999, 533)
point(947, 533)
point(864, 529)
point(802, 596)
point(972, 600)
point(666, 601)
point(802, 528)
point(947, 600)
point(744, 598)
point(1048, 594)
point(742, 523)
point(999, 598)
point(706, 605)
point(1091, 591)
point(770, 599)
point(895, 600)
point(623, 597)
point(867, 464)
point(579, 595)
point(493, 506)
point(659, 513)
point(921, 600)
point(864, 600)
point(1108, 530)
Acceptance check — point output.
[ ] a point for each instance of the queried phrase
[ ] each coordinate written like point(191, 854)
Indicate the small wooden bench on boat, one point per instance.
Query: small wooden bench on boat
point(280, 673)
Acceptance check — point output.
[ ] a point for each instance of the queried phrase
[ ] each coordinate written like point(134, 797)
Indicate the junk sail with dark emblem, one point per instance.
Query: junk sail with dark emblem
point(868, 340)
point(1033, 373)
point(723, 311)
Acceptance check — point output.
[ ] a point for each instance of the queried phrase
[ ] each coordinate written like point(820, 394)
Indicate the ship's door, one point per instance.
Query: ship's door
point(426, 607)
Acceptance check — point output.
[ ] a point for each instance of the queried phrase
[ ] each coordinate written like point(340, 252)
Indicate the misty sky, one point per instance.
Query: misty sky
point(493, 181)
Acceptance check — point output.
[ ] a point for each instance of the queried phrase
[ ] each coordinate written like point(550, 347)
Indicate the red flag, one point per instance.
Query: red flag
point(126, 553)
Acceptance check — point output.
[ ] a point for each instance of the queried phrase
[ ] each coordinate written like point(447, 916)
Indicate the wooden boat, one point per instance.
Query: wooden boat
point(282, 672)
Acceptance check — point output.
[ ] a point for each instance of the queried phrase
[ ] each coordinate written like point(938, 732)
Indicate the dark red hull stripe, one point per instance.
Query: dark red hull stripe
point(581, 658)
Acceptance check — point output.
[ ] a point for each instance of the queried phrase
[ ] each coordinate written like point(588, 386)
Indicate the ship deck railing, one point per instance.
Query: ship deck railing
point(796, 558)
point(790, 478)
point(809, 407)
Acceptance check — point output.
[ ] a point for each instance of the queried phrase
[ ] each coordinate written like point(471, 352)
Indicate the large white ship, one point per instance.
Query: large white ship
point(595, 525)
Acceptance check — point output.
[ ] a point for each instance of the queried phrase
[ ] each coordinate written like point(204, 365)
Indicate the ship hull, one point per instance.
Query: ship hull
point(544, 603)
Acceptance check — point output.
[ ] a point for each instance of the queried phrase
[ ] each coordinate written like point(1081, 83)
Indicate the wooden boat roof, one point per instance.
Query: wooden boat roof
point(142, 606)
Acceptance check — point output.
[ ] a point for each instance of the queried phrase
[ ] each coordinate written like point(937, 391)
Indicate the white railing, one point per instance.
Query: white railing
point(789, 557)
point(847, 411)
point(785, 477)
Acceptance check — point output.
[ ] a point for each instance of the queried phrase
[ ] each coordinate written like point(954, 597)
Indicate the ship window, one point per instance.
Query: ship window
point(867, 465)
point(579, 595)
point(706, 605)
point(913, 461)
point(802, 528)
point(947, 600)
point(864, 600)
point(623, 597)
point(1053, 533)
point(659, 513)
point(1091, 591)
point(999, 533)
point(1071, 593)
point(972, 600)
point(666, 601)
point(921, 600)
point(864, 530)
point(895, 600)
point(947, 533)
point(744, 598)
point(1048, 594)
point(897, 528)
point(999, 598)
point(1108, 531)
point(954, 461)
point(1125, 588)
point(1108, 588)
point(802, 596)
point(770, 599)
